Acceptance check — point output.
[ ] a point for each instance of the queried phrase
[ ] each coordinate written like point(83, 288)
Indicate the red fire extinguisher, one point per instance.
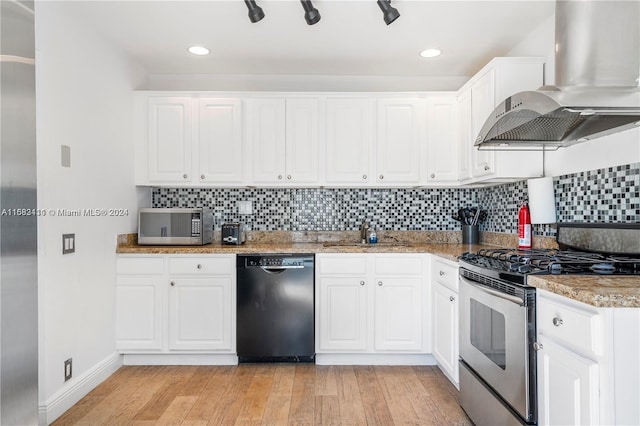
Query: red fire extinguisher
point(524, 227)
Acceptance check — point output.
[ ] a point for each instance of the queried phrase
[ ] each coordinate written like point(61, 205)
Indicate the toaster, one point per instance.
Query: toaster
point(233, 233)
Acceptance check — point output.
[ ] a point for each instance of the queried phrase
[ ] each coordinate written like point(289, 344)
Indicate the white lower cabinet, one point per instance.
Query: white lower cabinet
point(588, 370)
point(444, 281)
point(371, 303)
point(569, 385)
point(200, 314)
point(175, 304)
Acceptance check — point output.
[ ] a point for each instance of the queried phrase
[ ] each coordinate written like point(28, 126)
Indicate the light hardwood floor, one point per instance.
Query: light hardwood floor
point(270, 394)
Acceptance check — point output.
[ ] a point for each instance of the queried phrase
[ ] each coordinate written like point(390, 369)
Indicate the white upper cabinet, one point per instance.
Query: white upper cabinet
point(477, 99)
point(220, 140)
point(170, 132)
point(186, 141)
point(465, 134)
point(442, 146)
point(483, 101)
point(284, 141)
point(349, 132)
point(399, 141)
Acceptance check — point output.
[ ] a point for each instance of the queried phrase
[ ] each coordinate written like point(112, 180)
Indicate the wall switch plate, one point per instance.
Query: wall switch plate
point(245, 207)
point(65, 156)
point(68, 369)
point(68, 243)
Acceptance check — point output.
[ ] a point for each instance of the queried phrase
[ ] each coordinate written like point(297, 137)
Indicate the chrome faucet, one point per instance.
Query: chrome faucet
point(364, 228)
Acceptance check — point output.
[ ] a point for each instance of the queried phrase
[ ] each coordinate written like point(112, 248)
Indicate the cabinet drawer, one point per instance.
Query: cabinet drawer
point(341, 264)
point(569, 325)
point(140, 265)
point(445, 274)
point(218, 265)
point(399, 265)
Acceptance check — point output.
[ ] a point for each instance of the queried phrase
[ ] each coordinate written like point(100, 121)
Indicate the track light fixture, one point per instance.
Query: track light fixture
point(255, 11)
point(389, 12)
point(311, 14)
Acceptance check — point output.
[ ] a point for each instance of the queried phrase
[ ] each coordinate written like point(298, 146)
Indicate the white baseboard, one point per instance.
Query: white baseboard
point(375, 359)
point(180, 359)
point(77, 388)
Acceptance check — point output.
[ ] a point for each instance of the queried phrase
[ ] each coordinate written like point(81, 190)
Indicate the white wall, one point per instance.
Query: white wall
point(84, 100)
point(540, 42)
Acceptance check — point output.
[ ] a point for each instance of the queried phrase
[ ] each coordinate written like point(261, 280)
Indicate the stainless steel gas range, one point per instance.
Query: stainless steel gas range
point(498, 314)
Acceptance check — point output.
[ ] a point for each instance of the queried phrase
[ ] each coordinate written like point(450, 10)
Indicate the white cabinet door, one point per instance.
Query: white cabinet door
point(445, 330)
point(220, 141)
point(398, 142)
point(170, 139)
point(568, 387)
point(483, 103)
point(398, 314)
point(200, 314)
point(139, 312)
point(442, 142)
point(465, 136)
point(348, 138)
point(268, 140)
point(342, 314)
point(301, 138)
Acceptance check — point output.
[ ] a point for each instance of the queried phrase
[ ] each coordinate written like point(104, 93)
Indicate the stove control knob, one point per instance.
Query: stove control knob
point(557, 322)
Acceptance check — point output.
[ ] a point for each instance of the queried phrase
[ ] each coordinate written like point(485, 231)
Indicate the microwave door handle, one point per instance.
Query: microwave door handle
point(501, 295)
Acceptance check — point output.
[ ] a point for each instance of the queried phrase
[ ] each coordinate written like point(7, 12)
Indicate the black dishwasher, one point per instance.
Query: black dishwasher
point(275, 308)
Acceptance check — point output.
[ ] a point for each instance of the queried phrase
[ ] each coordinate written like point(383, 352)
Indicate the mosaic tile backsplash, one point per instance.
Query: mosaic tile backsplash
point(603, 195)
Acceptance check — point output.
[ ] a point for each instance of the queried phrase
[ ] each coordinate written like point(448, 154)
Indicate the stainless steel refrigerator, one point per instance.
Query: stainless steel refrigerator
point(18, 226)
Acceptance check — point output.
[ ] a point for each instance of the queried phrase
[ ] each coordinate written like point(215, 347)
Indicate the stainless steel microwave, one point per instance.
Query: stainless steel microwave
point(175, 226)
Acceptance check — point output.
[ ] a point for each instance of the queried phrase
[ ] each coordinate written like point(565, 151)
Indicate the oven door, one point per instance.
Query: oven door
point(494, 342)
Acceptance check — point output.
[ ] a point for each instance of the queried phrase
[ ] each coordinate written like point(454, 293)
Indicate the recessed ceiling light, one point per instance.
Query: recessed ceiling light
point(430, 53)
point(199, 50)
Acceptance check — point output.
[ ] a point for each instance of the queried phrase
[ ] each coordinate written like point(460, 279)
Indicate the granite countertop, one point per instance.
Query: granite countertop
point(602, 291)
point(449, 251)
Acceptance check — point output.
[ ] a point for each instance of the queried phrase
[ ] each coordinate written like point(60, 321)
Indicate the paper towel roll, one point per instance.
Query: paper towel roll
point(542, 202)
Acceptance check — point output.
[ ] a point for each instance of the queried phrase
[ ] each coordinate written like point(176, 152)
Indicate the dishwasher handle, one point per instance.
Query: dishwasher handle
point(277, 268)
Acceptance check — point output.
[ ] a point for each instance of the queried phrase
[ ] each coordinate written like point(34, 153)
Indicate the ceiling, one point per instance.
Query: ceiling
point(350, 39)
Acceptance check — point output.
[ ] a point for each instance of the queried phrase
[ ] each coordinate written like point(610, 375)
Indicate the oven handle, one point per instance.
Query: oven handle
point(501, 295)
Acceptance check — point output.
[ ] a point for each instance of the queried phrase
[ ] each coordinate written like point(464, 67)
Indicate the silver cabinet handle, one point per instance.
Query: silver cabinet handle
point(381, 177)
point(451, 298)
point(202, 176)
point(432, 175)
point(199, 266)
point(558, 322)
point(487, 167)
point(361, 282)
point(441, 273)
point(173, 283)
point(279, 177)
point(289, 177)
point(537, 346)
point(380, 283)
point(184, 176)
point(364, 177)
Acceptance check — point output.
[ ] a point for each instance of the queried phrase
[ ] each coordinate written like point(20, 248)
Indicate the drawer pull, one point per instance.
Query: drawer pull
point(173, 283)
point(451, 298)
point(199, 266)
point(558, 322)
point(380, 283)
point(441, 273)
point(361, 282)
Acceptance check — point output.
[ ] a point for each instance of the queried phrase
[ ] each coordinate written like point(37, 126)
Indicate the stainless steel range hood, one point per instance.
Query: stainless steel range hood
point(597, 77)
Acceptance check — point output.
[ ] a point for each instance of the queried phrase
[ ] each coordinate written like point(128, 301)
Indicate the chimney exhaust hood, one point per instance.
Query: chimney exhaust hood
point(597, 77)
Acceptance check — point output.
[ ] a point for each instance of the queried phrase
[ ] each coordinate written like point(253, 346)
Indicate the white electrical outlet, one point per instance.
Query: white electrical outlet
point(245, 207)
